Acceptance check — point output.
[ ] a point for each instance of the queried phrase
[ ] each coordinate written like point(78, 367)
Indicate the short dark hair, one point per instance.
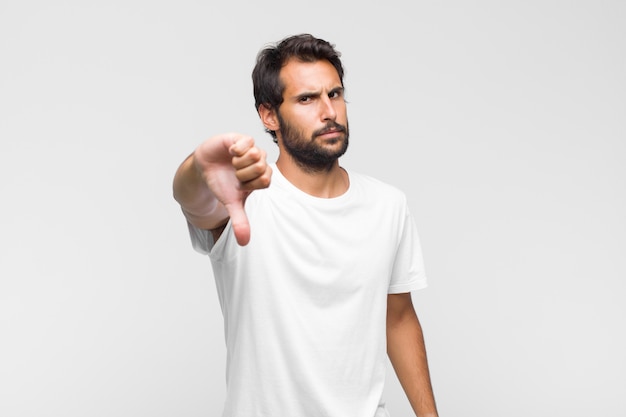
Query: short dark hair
point(268, 89)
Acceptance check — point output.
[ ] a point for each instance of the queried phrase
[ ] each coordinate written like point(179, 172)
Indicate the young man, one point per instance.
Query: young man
point(314, 264)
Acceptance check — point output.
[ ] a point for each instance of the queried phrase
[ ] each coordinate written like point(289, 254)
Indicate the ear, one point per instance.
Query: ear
point(269, 117)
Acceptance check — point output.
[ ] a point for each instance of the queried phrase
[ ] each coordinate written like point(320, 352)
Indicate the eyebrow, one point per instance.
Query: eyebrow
point(338, 89)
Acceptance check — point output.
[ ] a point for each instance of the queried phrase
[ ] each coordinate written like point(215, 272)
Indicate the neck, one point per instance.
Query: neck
point(329, 182)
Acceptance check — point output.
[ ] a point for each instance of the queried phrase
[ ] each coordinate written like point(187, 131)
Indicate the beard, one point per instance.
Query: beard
point(307, 152)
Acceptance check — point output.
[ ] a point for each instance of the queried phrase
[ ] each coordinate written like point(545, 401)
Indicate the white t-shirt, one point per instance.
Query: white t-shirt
point(304, 303)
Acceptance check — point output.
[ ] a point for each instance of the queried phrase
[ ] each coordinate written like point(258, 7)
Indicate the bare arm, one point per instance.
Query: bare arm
point(407, 352)
point(196, 199)
point(212, 184)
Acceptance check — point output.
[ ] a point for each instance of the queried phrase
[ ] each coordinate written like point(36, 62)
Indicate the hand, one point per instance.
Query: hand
point(232, 167)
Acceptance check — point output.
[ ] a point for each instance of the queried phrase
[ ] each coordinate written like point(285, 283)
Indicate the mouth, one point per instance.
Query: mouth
point(331, 131)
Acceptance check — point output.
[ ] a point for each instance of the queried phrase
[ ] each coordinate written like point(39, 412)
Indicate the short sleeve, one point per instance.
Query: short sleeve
point(408, 269)
point(201, 239)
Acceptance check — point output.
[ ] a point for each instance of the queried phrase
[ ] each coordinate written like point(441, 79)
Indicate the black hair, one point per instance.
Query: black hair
point(268, 89)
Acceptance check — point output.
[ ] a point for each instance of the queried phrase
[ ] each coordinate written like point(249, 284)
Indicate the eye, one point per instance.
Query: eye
point(305, 99)
point(335, 94)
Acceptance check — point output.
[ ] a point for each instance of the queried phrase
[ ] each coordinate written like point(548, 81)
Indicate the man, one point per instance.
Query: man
point(314, 264)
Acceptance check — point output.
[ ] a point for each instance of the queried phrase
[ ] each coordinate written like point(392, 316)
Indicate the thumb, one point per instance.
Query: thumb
point(239, 221)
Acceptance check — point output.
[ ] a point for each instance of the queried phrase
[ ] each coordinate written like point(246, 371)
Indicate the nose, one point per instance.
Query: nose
point(327, 111)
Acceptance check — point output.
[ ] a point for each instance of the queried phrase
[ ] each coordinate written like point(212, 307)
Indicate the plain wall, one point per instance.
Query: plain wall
point(502, 121)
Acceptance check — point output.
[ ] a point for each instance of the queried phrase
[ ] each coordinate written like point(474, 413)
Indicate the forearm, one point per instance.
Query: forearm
point(197, 201)
point(407, 352)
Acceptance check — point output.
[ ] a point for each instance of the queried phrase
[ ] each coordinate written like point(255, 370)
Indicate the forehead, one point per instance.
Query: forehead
point(309, 76)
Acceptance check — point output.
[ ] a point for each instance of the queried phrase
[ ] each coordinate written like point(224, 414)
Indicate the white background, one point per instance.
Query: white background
point(504, 122)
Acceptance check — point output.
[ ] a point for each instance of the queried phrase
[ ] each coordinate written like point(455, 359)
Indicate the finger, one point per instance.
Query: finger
point(258, 182)
point(251, 156)
point(241, 144)
point(239, 221)
point(252, 172)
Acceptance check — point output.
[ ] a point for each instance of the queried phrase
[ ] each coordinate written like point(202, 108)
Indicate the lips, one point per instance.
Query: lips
point(334, 129)
point(331, 135)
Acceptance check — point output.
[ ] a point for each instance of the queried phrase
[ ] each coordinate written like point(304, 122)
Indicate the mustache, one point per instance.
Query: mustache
point(330, 127)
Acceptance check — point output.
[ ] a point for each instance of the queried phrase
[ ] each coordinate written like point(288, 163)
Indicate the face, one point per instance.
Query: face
point(313, 124)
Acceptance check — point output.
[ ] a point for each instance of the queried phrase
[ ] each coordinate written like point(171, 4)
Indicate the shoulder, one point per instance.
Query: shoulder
point(376, 188)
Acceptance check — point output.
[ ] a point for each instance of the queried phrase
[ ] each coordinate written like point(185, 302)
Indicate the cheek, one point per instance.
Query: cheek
point(341, 109)
point(295, 116)
point(302, 120)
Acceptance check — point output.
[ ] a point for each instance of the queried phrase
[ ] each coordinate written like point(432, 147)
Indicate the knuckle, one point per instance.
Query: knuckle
point(264, 181)
point(255, 153)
